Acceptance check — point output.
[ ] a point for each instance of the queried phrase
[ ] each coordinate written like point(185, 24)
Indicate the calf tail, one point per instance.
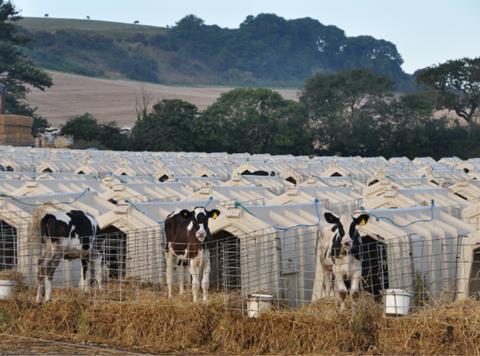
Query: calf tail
point(43, 232)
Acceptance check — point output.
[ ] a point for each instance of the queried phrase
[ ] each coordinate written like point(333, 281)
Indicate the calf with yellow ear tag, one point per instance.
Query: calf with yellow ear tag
point(362, 219)
point(214, 213)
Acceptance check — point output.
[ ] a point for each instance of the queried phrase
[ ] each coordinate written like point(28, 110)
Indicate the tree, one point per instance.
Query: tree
point(339, 104)
point(167, 128)
point(88, 133)
point(84, 127)
point(458, 83)
point(255, 121)
point(407, 119)
point(111, 137)
point(17, 73)
point(39, 125)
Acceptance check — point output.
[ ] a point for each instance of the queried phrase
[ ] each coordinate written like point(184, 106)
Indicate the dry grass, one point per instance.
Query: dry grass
point(161, 326)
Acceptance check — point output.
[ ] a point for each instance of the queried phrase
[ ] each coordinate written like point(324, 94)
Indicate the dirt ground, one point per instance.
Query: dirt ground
point(114, 100)
point(19, 345)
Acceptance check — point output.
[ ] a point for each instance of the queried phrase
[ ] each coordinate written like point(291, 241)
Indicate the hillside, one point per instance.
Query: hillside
point(114, 100)
point(265, 50)
point(48, 24)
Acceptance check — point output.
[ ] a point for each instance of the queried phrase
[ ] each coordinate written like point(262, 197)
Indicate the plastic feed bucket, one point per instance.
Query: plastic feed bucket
point(397, 301)
point(5, 289)
point(258, 303)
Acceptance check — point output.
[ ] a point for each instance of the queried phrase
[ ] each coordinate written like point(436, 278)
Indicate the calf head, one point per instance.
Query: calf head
point(345, 241)
point(199, 221)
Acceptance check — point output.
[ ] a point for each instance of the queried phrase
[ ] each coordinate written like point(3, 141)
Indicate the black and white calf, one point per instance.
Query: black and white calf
point(187, 234)
point(70, 235)
point(339, 255)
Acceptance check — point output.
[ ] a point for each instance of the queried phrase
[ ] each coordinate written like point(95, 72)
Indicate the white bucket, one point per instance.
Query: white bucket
point(5, 289)
point(397, 301)
point(258, 303)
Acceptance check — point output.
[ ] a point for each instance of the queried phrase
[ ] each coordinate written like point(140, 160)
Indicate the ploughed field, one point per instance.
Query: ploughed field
point(114, 100)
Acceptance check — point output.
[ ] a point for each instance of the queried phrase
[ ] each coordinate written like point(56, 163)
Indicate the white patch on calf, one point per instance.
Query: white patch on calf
point(190, 226)
point(201, 233)
point(198, 211)
point(48, 289)
point(72, 246)
point(200, 265)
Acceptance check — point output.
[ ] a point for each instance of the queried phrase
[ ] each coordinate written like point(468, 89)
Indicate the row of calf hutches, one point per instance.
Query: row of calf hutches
point(271, 215)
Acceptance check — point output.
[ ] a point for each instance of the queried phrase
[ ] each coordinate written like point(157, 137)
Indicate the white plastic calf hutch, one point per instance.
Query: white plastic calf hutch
point(274, 247)
point(418, 249)
point(131, 249)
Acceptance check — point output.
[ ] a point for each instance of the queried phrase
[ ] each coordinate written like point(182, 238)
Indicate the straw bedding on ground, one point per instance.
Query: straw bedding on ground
point(162, 326)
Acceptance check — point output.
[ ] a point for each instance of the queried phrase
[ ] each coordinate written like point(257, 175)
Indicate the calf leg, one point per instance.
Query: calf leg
point(52, 264)
point(341, 290)
point(96, 271)
point(354, 291)
point(83, 274)
point(206, 274)
point(41, 275)
point(181, 277)
point(195, 273)
point(327, 283)
point(169, 272)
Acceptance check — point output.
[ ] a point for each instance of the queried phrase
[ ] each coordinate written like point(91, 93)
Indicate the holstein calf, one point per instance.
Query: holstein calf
point(70, 235)
point(339, 254)
point(187, 234)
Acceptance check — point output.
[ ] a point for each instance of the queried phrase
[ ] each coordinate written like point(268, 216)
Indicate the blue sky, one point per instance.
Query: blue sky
point(426, 32)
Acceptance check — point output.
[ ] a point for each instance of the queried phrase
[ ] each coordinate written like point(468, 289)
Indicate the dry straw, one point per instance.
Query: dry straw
point(16, 130)
point(161, 326)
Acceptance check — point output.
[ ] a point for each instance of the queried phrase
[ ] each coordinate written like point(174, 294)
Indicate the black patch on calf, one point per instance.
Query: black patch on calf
point(337, 240)
point(82, 226)
point(52, 228)
point(355, 251)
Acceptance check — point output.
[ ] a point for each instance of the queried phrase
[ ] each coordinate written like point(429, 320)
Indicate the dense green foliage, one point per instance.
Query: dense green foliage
point(343, 107)
point(169, 127)
point(458, 83)
point(88, 133)
point(39, 125)
point(346, 106)
point(349, 113)
point(17, 72)
point(264, 50)
point(253, 120)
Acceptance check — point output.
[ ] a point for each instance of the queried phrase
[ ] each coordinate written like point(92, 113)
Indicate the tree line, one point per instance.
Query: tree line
point(353, 112)
point(264, 50)
point(350, 112)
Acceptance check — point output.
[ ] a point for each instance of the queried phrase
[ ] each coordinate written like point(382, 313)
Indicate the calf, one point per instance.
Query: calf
point(70, 235)
point(187, 234)
point(339, 254)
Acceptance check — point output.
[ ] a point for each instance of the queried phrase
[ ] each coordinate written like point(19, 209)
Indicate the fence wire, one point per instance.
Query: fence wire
point(281, 264)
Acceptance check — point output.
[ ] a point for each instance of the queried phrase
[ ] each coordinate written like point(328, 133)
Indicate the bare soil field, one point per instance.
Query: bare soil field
point(114, 100)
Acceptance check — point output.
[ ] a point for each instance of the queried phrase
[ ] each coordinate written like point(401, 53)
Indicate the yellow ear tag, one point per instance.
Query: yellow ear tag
point(362, 222)
point(214, 216)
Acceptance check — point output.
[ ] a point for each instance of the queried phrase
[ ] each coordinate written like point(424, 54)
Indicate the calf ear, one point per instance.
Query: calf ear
point(362, 219)
point(332, 219)
point(213, 214)
point(186, 214)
